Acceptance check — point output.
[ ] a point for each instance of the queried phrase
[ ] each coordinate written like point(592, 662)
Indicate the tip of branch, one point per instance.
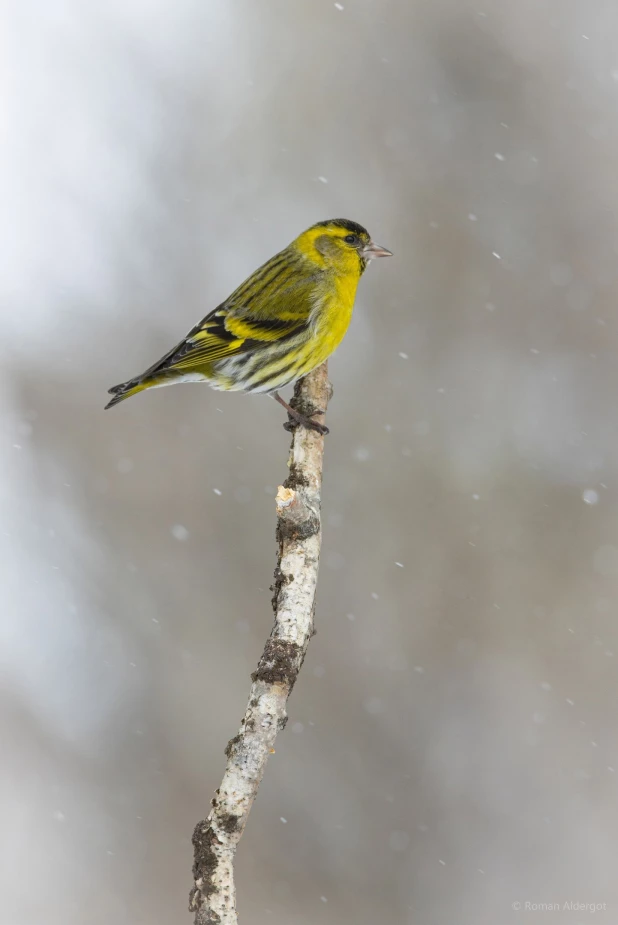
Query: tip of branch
point(284, 498)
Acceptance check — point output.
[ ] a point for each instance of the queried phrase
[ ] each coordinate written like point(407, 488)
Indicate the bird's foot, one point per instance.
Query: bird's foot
point(296, 417)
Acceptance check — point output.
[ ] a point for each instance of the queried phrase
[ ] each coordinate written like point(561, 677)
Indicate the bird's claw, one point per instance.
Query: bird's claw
point(321, 428)
point(292, 424)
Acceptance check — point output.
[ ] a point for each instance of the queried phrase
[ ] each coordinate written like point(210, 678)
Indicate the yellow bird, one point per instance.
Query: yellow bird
point(282, 322)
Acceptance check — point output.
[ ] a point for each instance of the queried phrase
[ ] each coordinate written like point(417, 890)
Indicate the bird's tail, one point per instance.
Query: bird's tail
point(126, 390)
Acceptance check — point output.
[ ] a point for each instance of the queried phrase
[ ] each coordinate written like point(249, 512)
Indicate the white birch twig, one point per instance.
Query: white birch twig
point(213, 897)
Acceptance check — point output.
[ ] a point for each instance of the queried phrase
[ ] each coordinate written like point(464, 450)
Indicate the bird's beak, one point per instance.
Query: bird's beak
point(371, 250)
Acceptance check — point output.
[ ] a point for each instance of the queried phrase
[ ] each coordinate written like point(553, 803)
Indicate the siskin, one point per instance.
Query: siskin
point(282, 322)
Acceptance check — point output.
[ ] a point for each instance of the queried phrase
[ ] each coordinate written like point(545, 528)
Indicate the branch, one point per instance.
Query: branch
point(213, 897)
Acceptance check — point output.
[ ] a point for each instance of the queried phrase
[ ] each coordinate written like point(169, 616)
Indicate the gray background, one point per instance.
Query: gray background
point(451, 745)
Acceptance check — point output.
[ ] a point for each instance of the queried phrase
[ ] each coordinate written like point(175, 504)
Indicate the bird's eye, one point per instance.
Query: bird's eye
point(351, 239)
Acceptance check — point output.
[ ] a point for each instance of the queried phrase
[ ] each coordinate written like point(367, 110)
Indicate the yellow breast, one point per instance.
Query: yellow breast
point(334, 314)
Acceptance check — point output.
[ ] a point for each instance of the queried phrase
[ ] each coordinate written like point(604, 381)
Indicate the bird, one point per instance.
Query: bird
point(285, 320)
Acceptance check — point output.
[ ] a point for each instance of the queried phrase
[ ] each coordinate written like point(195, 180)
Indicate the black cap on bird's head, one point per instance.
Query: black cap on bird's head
point(347, 225)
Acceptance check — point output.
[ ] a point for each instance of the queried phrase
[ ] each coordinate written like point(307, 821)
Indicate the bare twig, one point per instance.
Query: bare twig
point(213, 897)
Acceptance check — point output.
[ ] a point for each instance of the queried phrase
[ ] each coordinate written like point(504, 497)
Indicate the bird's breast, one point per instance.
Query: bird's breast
point(334, 312)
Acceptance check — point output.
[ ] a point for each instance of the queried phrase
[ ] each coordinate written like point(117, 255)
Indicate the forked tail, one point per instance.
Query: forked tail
point(125, 390)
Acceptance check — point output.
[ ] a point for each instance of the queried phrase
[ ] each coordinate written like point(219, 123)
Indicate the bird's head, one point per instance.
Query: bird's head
point(339, 244)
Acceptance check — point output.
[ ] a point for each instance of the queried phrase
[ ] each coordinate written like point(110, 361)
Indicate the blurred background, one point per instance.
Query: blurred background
point(451, 748)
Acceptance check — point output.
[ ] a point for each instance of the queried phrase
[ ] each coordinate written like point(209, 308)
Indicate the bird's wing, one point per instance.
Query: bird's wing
point(275, 303)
